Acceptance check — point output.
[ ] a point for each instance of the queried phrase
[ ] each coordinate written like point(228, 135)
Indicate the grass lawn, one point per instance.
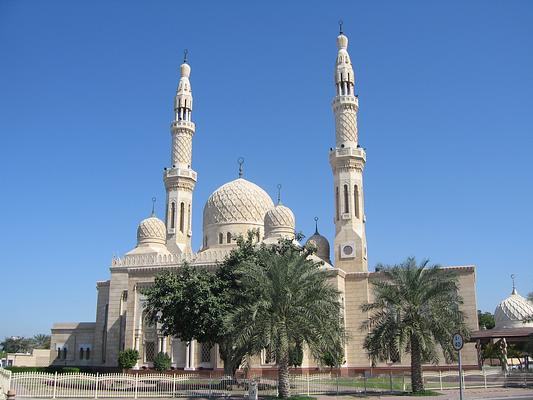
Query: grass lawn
point(296, 397)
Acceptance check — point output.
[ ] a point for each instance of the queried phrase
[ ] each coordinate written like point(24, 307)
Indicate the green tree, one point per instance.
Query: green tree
point(291, 301)
point(162, 362)
point(16, 344)
point(485, 319)
point(416, 307)
point(128, 358)
point(41, 341)
point(195, 304)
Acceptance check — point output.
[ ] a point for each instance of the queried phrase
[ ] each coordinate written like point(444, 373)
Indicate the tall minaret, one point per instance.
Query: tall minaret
point(347, 161)
point(180, 179)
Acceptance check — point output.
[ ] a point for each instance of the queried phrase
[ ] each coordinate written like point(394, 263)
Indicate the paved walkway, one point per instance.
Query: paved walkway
point(470, 394)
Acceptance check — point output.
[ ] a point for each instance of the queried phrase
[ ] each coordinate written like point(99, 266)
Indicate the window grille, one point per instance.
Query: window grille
point(149, 351)
point(88, 353)
point(81, 353)
point(206, 353)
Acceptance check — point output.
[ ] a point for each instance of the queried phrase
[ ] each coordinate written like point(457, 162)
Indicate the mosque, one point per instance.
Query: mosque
point(232, 210)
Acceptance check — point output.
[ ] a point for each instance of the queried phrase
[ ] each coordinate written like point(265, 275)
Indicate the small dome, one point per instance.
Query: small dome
point(151, 230)
point(279, 221)
point(512, 312)
point(238, 201)
point(342, 41)
point(321, 244)
point(185, 70)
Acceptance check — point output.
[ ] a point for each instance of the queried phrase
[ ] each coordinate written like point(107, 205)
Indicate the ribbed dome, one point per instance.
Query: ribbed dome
point(322, 246)
point(238, 201)
point(279, 220)
point(151, 230)
point(511, 312)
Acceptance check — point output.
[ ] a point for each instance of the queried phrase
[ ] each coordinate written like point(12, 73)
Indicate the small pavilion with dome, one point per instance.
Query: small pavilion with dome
point(513, 319)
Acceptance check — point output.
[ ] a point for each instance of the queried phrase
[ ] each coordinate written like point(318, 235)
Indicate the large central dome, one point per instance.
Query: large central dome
point(232, 210)
point(238, 201)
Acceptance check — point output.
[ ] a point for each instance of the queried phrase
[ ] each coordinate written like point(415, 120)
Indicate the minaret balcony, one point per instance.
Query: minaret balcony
point(182, 124)
point(347, 157)
point(348, 152)
point(180, 173)
point(343, 99)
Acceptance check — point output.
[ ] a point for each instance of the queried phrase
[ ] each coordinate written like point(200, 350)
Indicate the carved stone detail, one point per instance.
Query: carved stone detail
point(346, 126)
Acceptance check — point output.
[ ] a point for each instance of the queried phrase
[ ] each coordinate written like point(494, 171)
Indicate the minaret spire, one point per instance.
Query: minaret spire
point(180, 178)
point(347, 162)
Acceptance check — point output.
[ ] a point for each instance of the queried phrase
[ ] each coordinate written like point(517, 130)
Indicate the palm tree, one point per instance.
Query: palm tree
point(414, 309)
point(292, 304)
point(41, 341)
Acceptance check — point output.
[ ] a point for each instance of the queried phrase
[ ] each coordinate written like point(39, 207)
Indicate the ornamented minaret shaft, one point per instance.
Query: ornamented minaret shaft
point(180, 179)
point(347, 162)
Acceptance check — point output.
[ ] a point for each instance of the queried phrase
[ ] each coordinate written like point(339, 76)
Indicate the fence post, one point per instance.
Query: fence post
point(174, 384)
point(390, 380)
point(136, 384)
point(403, 381)
point(484, 378)
point(308, 392)
point(337, 379)
point(364, 380)
point(55, 386)
point(440, 379)
point(96, 387)
point(210, 388)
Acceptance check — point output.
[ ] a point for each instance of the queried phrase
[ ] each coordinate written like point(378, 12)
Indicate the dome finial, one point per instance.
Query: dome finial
point(240, 160)
point(340, 26)
point(514, 287)
point(153, 206)
point(316, 225)
point(185, 52)
point(279, 193)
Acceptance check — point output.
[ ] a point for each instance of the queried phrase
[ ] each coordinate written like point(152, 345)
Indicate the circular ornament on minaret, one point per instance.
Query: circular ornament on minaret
point(347, 250)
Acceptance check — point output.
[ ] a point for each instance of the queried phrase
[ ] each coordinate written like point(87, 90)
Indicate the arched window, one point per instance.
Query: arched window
point(172, 215)
point(189, 218)
point(356, 200)
point(81, 353)
point(87, 353)
point(346, 200)
point(182, 215)
point(64, 353)
point(220, 238)
point(337, 202)
point(59, 352)
point(228, 237)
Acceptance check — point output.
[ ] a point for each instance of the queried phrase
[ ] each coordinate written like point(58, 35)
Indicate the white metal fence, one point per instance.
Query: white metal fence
point(5, 382)
point(81, 385)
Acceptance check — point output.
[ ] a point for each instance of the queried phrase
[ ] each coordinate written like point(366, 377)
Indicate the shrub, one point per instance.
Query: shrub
point(162, 362)
point(128, 358)
point(49, 369)
point(70, 369)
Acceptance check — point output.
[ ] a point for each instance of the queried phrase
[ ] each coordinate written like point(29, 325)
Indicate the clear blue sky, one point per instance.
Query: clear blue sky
point(86, 92)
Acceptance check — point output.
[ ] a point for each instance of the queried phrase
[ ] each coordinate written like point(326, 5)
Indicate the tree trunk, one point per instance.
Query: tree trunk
point(228, 358)
point(417, 383)
point(282, 358)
